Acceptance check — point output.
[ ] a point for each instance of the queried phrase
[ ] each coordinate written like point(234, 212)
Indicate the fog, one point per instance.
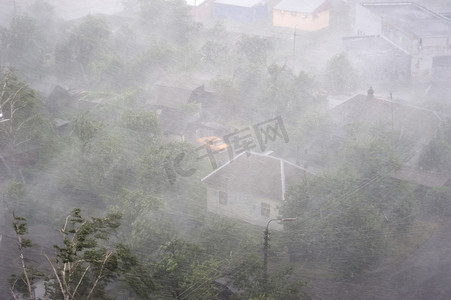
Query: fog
point(222, 149)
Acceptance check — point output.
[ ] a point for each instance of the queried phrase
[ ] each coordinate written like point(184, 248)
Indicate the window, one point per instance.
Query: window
point(266, 209)
point(223, 198)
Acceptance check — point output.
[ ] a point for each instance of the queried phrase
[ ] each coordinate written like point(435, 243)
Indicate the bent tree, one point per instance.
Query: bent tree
point(84, 263)
point(23, 126)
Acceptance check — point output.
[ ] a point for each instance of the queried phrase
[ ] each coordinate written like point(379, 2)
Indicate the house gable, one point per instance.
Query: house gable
point(251, 187)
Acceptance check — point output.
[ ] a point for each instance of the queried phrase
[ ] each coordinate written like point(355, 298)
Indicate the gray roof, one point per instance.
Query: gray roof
point(412, 18)
point(426, 178)
point(175, 121)
point(305, 6)
point(257, 173)
point(373, 44)
point(242, 3)
point(175, 90)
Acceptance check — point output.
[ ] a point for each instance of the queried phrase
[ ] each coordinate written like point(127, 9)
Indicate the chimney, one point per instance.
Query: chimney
point(370, 94)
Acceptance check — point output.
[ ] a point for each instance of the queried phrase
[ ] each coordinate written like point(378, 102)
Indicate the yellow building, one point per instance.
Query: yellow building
point(307, 15)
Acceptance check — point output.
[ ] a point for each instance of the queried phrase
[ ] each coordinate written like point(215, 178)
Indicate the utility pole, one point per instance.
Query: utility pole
point(391, 104)
point(294, 49)
point(265, 251)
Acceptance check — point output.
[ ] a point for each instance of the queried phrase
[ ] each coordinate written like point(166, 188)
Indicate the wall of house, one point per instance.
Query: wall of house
point(441, 68)
point(381, 67)
point(305, 22)
point(366, 22)
point(202, 12)
point(401, 39)
point(422, 50)
point(242, 206)
point(421, 68)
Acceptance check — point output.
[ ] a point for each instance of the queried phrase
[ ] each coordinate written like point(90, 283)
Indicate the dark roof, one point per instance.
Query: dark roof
point(59, 93)
point(426, 178)
point(414, 121)
point(175, 121)
point(412, 18)
point(175, 90)
point(181, 81)
point(257, 173)
point(305, 6)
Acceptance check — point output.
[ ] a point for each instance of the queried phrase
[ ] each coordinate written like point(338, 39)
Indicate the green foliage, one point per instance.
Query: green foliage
point(172, 19)
point(20, 34)
point(342, 220)
point(254, 49)
point(159, 164)
point(85, 128)
point(26, 43)
point(13, 191)
point(288, 93)
point(340, 75)
point(21, 228)
point(86, 261)
point(182, 270)
point(144, 122)
point(370, 151)
point(437, 201)
point(87, 38)
point(86, 42)
point(24, 128)
point(436, 156)
point(216, 50)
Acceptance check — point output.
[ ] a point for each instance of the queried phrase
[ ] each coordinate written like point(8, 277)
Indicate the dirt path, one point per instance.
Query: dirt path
point(425, 274)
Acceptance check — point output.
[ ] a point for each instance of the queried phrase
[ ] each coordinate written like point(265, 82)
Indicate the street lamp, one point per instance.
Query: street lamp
point(266, 246)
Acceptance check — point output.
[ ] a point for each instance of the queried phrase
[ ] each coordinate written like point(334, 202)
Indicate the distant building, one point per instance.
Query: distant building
point(309, 15)
point(417, 31)
point(415, 124)
point(251, 187)
point(241, 10)
point(377, 59)
point(200, 10)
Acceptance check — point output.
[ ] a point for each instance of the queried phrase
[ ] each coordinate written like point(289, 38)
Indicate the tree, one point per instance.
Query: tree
point(340, 75)
point(182, 272)
point(254, 49)
point(287, 93)
point(162, 164)
point(436, 156)
point(145, 123)
point(23, 282)
point(333, 225)
point(85, 262)
point(28, 41)
point(24, 127)
point(85, 42)
point(19, 41)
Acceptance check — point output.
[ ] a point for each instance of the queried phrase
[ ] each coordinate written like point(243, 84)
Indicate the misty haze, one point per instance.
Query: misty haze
point(225, 149)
